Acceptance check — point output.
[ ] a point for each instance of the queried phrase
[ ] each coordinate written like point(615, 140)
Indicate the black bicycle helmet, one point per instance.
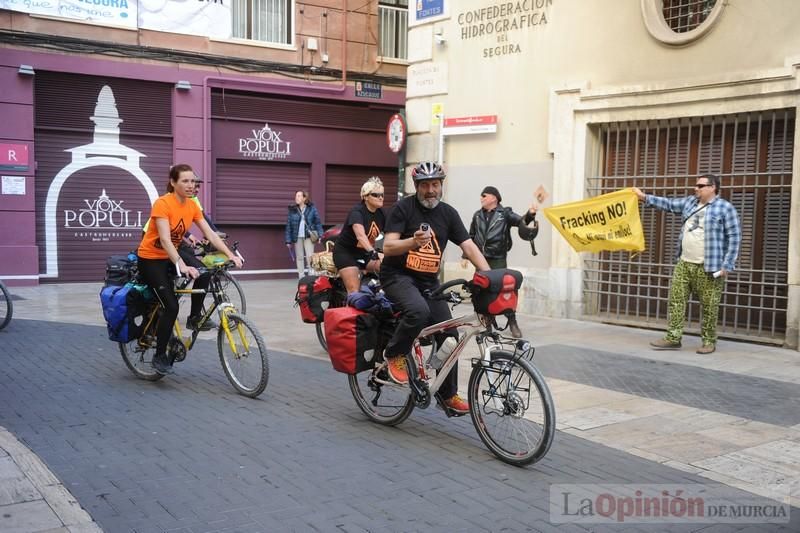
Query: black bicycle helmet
point(428, 170)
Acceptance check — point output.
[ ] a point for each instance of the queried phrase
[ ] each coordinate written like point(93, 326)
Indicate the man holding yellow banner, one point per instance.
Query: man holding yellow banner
point(708, 247)
point(608, 222)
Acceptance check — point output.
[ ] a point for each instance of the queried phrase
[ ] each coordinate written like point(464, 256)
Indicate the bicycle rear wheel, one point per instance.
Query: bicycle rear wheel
point(138, 356)
point(321, 335)
point(243, 355)
point(338, 298)
point(233, 291)
point(6, 306)
point(382, 400)
point(512, 409)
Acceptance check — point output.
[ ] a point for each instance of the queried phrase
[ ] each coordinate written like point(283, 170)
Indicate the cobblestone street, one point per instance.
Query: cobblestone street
point(187, 454)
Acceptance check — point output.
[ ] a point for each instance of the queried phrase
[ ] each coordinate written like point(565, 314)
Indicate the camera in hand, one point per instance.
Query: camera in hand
point(425, 228)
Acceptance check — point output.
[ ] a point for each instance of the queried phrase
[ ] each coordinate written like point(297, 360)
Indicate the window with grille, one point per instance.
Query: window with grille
point(685, 15)
point(263, 20)
point(752, 153)
point(393, 28)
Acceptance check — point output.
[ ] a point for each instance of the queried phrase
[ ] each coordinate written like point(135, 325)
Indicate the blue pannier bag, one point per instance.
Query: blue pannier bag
point(123, 308)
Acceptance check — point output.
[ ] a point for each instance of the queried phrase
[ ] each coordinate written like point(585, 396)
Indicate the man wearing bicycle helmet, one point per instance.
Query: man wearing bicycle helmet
point(416, 234)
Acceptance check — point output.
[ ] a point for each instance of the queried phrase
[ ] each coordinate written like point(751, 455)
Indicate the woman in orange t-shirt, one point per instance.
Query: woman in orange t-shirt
point(172, 216)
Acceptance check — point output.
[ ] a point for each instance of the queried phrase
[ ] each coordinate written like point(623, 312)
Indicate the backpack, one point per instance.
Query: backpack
point(312, 293)
point(495, 292)
point(352, 337)
point(120, 269)
point(124, 307)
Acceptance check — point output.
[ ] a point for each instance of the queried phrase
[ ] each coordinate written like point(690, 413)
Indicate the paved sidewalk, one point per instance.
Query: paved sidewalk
point(730, 417)
point(32, 499)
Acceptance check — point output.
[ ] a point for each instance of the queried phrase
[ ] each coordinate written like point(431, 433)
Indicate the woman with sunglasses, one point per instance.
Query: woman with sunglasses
point(355, 246)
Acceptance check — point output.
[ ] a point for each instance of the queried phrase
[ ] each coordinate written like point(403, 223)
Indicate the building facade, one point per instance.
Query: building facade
point(567, 99)
point(262, 98)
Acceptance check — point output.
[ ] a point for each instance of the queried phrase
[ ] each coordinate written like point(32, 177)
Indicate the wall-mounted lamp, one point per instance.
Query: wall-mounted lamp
point(183, 85)
point(26, 70)
point(438, 37)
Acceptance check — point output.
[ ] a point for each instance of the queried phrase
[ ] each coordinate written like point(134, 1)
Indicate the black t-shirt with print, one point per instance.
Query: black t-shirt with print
point(373, 226)
point(405, 218)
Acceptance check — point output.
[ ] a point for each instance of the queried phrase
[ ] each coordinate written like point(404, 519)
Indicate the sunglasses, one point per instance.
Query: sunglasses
point(701, 185)
point(376, 194)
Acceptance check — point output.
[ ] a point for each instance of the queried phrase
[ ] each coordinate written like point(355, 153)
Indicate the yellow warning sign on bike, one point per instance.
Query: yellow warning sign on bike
point(604, 223)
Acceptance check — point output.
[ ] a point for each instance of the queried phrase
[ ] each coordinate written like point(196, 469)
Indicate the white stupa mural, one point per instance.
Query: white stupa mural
point(104, 150)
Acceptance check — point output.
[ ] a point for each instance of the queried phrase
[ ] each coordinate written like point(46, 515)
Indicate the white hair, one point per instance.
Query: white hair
point(370, 185)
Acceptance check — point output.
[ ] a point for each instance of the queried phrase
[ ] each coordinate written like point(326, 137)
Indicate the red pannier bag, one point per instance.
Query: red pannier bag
point(352, 337)
point(495, 292)
point(312, 293)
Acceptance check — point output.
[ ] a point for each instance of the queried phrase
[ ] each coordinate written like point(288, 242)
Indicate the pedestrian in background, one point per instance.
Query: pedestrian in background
point(303, 230)
point(491, 231)
point(708, 247)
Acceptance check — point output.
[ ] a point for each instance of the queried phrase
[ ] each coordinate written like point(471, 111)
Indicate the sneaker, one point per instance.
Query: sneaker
point(396, 366)
point(208, 325)
point(161, 365)
point(664, 344)
point(707, 349)
point(457, 404)
point(514, 328)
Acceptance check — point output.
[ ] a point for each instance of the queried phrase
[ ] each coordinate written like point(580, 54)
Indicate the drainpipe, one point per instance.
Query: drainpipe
point(266, 84)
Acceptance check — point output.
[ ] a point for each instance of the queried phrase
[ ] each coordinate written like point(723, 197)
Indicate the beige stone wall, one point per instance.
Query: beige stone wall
point(586, 61)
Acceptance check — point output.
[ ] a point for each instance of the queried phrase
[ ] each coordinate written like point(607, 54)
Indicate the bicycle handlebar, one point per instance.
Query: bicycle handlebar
point(436, 293)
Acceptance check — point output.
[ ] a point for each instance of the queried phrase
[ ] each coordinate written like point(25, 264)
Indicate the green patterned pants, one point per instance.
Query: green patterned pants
point(690, 278)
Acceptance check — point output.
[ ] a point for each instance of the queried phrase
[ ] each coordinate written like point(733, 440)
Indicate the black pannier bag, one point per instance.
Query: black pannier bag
point(120, 269)
point(495, 292)
point(312, 293)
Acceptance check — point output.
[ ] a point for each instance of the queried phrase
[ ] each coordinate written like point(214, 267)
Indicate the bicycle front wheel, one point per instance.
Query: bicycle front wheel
point(512, 409)
point(243, 355)
point(138, 356)
point(6, 307)
point(234, 291)
point(382, 400)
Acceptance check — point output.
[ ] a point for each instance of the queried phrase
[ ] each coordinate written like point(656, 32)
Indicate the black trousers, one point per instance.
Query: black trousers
point(159, 275)
point(417, 313)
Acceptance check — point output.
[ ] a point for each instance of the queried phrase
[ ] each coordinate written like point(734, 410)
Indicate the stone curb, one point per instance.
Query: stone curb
point(32, 499)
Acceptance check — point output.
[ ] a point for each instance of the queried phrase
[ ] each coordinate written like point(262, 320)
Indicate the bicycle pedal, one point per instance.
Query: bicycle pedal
point(451, 413)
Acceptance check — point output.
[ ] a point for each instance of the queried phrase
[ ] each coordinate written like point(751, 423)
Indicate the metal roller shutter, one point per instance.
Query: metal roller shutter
point(91, 138)
point(343, 189)
point(100, 210)
point(257, 192)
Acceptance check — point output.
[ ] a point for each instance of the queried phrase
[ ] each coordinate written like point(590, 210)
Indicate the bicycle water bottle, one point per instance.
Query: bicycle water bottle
point(440, 356)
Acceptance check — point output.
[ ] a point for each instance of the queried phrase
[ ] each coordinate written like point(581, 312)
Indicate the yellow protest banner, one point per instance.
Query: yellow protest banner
point(608, 222)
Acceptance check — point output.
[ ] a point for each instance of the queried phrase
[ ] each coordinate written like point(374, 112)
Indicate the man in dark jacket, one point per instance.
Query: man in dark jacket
point(491, 231)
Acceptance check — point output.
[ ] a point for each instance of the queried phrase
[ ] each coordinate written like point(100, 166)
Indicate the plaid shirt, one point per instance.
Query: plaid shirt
point(723, 235)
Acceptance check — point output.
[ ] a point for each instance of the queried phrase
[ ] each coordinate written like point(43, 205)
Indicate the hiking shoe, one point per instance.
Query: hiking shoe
point(707, 349)
point(161, 365)
point(664, 344)
point(514, 328)
point(208, 325)
point(457, 404)
point(397, 369)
